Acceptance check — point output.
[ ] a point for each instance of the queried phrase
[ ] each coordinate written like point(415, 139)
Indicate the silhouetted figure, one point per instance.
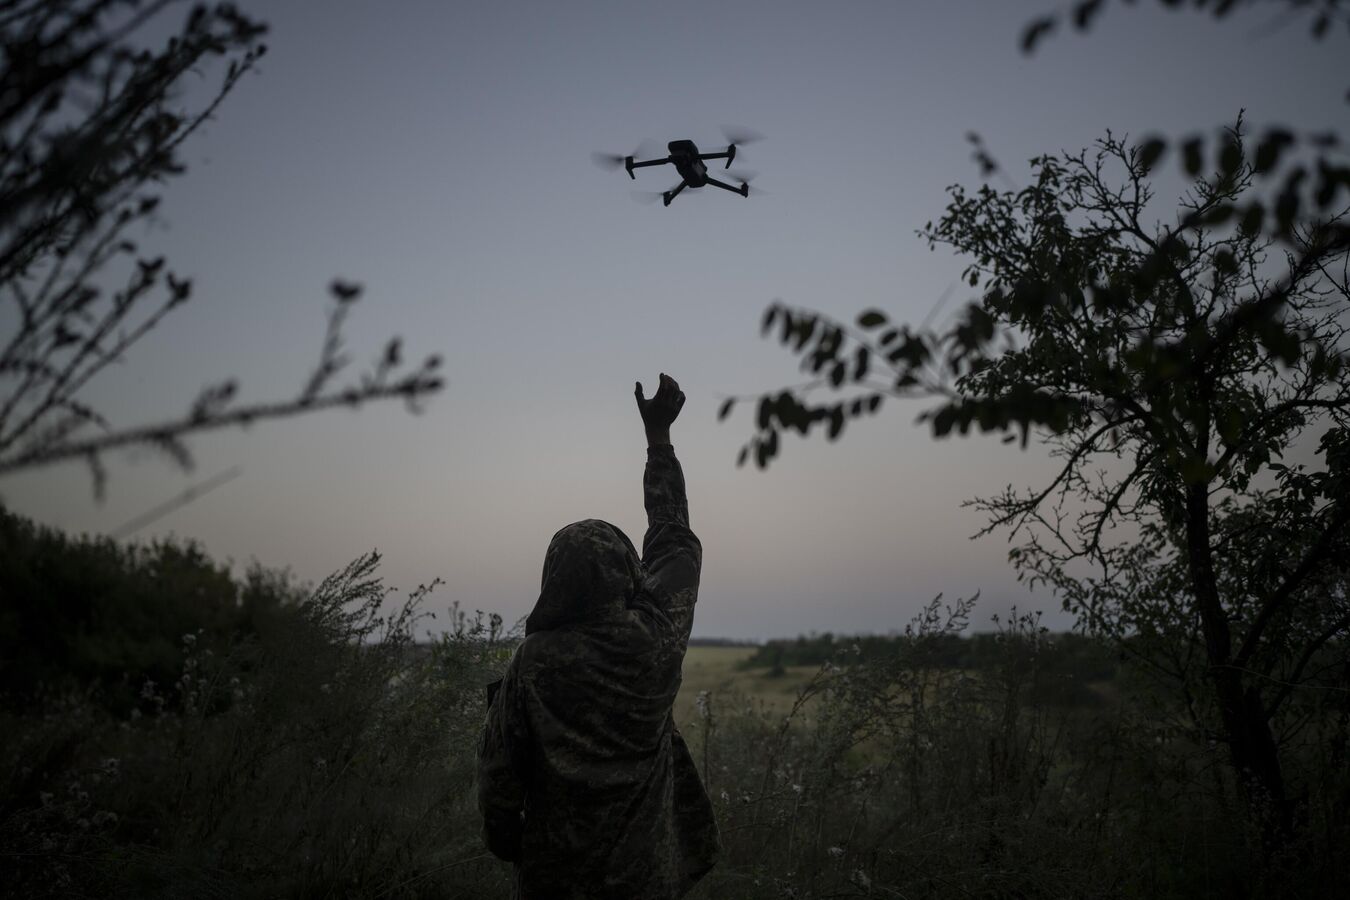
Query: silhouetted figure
point(583, 780)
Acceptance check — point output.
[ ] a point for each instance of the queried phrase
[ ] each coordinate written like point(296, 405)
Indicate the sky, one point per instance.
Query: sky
point(439, 154)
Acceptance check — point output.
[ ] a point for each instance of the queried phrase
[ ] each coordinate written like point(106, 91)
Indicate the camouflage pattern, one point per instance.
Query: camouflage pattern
point(584, 781)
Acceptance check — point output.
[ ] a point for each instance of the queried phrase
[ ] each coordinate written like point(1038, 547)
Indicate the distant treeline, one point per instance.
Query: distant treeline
point(1084, 657)
point(720, 642)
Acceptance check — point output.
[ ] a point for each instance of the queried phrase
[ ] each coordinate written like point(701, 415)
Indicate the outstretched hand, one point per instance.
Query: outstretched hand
point(661, 410)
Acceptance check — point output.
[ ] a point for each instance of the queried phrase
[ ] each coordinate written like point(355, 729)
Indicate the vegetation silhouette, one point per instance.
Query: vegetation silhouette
point(90, 129)
point(1169, 367)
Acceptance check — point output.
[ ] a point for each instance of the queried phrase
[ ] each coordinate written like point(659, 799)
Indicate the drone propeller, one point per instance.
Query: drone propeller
point(740, 135)
point(645, 197)
point(642, 151)
point(607, 160)
point(746, 178)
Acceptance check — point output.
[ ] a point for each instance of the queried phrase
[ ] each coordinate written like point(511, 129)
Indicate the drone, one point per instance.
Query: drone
point(690, 163)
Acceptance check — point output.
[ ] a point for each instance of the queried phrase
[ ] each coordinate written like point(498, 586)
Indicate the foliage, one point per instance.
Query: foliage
point(88, 612)
point(322, 752)
point(900, 776)
point(1174, 525)
point(90, 127)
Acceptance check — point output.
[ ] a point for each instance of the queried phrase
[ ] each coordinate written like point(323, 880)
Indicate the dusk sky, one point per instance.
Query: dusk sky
point(438, 153)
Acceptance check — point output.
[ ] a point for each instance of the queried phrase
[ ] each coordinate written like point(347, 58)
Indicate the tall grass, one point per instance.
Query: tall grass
point(326, 753)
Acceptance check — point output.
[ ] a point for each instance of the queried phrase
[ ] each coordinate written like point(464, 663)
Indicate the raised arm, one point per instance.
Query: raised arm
point(671, 553)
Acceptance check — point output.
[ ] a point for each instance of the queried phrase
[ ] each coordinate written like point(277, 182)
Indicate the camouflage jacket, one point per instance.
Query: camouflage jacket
point(583, 780)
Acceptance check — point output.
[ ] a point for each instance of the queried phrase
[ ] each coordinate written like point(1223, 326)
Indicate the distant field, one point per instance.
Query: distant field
point(714, 669)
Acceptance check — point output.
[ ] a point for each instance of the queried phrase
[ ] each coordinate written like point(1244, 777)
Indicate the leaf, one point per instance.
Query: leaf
point(725, 409)
point(1192, 156)
point(837, 373)
point(943, 421)
point(836, 426)
point(1150, 152)
point(1252, 219)
point(806, 326)
point(1036, 31)
point(1085, 12)
point(1268, 152)
point(741, 457)
point(767, 322)
point(344, 291)
point(862, 363)
point(872, 318)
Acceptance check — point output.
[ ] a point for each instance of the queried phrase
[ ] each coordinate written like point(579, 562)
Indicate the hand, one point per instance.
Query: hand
point(661, 410)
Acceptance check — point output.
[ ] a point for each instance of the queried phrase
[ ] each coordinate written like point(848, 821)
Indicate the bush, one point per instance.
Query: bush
point(324, 753)
point(314, 749)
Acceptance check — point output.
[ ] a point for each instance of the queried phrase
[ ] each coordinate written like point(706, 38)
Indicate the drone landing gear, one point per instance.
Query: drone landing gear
point(743, 190)
point(671, 194)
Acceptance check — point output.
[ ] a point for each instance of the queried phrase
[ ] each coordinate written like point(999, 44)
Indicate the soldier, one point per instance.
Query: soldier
point(583, 780)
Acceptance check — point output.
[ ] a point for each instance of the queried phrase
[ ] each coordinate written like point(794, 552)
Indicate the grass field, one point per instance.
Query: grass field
point(715, 669)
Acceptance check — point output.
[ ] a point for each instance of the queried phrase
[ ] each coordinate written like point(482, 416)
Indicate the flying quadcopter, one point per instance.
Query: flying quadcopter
point(686, 159)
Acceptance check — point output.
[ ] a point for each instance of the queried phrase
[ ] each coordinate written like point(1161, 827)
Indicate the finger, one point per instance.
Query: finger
point(637, 392)
point(679, 398)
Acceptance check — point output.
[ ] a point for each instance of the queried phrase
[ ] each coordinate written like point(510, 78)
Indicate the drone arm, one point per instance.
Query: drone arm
point(673, 192)
point(650, 162)
point(729, 154)
point(743, 190)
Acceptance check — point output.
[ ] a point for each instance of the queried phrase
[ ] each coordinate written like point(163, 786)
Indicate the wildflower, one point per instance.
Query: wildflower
point(797, 789)
point(104, 817)
point(189, 639)
point(325, 688)
point(110, 766)
point(835, 852)
point(46, 798)
point(701, 702)
point(860, 878)
point(148, 690)
point(726, 798)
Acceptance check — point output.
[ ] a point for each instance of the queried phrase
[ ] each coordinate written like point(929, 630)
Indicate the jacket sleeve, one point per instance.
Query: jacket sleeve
point(501, 768)
point(671, 553)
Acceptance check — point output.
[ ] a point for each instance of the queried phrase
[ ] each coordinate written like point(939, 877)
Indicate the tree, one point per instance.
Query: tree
point(90, 128)
point(1169, 367)
point(1174, 525)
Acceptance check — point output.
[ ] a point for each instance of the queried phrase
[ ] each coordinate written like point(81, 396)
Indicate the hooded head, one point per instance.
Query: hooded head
point(591, 571)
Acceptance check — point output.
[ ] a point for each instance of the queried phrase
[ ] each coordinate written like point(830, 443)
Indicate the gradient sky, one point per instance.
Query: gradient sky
point(438, 153)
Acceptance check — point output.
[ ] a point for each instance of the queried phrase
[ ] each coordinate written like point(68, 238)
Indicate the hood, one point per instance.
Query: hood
point(591, 571)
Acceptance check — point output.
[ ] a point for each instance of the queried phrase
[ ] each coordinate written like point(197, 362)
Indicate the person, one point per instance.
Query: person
point(584, 782)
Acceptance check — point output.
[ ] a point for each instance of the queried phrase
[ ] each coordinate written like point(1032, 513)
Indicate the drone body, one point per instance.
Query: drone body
point(690, 163)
